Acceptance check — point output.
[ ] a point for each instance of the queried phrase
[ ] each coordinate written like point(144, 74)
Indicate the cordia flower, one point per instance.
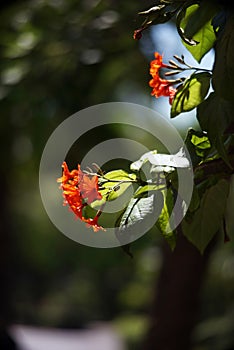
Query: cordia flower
point(94, 223)
point(80, 189)
point(88, 186)
point(161, 87)
point(156, 64)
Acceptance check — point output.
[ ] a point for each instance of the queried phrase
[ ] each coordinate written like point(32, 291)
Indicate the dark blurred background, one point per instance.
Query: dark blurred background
point(58, 57)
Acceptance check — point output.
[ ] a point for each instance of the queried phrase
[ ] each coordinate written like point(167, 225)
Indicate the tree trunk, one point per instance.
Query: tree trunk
point(175, 308)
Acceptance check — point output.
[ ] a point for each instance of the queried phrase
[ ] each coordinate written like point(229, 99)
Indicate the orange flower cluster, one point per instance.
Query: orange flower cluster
point(80, 189)
point(161, 87)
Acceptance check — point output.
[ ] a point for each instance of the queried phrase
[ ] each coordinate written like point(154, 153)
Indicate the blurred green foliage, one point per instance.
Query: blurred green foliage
point(58, 57)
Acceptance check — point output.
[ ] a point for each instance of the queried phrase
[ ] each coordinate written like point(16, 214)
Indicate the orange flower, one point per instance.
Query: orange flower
point(156, 64)
point(161, 87)
point(94, 223)
point(67, 175)
point(88, 186)
point(71, 192)
point(76, 187)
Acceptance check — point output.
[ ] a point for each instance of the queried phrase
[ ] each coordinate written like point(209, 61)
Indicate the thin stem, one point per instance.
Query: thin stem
point(119, 181)
point(199, 69)
point(100, 210)
point(189, 68)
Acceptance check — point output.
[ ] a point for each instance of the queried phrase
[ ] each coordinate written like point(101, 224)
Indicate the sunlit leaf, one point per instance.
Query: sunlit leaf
point(198, 145)
point(140, 215)
point(137, 210)
point(196, 26)
point(143, 190)
point(115, 183)
point(163, 220)
point(191, 93)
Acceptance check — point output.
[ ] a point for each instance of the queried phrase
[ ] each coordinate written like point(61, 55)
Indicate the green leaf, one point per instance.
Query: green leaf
point(163, 220)
point(214, 115)
point(196, 27)
point(113, 184)
point(195, 200)
point(207, 220)
point(137, 210)
point(201, 142)
point(119, 175)
point(191, 93)
point(223, 69)
point(199, 16)
point(140, 215)
point(144, 190)
point(198, 145)
point(180, 16)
